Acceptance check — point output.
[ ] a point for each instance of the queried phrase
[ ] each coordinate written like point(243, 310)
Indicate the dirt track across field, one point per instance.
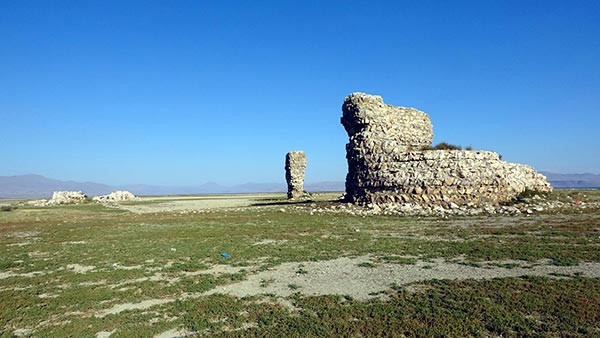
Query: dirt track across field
point(193, 203)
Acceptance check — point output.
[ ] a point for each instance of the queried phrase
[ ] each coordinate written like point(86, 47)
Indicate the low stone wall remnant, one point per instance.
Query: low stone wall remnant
point(116, 196)
point(67, 197)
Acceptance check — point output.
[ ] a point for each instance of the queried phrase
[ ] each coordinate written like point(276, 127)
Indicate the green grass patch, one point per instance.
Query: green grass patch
point(503, 307)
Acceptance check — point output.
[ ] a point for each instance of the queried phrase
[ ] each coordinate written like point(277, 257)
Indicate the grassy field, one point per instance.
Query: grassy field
point(97, 271)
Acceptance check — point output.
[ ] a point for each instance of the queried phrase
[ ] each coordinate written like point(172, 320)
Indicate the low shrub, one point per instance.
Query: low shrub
point(7, 208)
point(443, 146)
point(447, 146)
point(526, 196)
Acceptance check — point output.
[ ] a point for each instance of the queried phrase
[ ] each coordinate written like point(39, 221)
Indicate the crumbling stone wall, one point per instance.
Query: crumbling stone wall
point(116, 196)
point(67, 197)
point(387, 166)
point(295, 167)
point(370, 123)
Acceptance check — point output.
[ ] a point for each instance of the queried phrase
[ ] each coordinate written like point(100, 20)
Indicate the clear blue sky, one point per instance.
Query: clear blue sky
point(185, 92)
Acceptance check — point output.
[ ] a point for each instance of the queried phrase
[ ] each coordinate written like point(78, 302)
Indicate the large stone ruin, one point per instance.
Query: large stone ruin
point(390, 161)
point(295, 167)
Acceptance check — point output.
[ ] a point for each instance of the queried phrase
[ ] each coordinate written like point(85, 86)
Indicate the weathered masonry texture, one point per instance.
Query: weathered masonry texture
point(295, 167)
point(387, 163)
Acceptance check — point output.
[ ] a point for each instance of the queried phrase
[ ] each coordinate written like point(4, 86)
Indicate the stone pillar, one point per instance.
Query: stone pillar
point(295, 167)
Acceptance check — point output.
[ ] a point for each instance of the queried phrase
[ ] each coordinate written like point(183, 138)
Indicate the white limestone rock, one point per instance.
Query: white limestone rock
point(390, 162)
point(116, 196)
point(67, 197)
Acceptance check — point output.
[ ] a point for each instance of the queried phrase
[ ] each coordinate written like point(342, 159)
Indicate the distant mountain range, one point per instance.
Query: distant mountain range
point(573, 180)
point(34, 186)
point(37, 186)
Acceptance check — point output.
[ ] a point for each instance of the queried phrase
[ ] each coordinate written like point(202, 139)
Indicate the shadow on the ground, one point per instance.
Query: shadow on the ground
point(298, 202)
point(279, 202)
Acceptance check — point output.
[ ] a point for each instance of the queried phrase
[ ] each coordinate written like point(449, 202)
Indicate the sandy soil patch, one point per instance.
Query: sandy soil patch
point(176, 204)
point(9, 274)
point(104, 334)
point(216, 270)
point(344, 276)
point(95, 283)
point(210, 196)
point(270, 241)
point(174, 333)
point(22, 234)
point(22, 332)
point(118, 266)
point(146, 304)
point(78, 268)
point(20, 243)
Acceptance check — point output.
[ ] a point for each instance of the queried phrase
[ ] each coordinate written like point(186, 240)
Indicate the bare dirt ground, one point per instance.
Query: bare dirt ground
point(345, 276)
point(192, 203)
